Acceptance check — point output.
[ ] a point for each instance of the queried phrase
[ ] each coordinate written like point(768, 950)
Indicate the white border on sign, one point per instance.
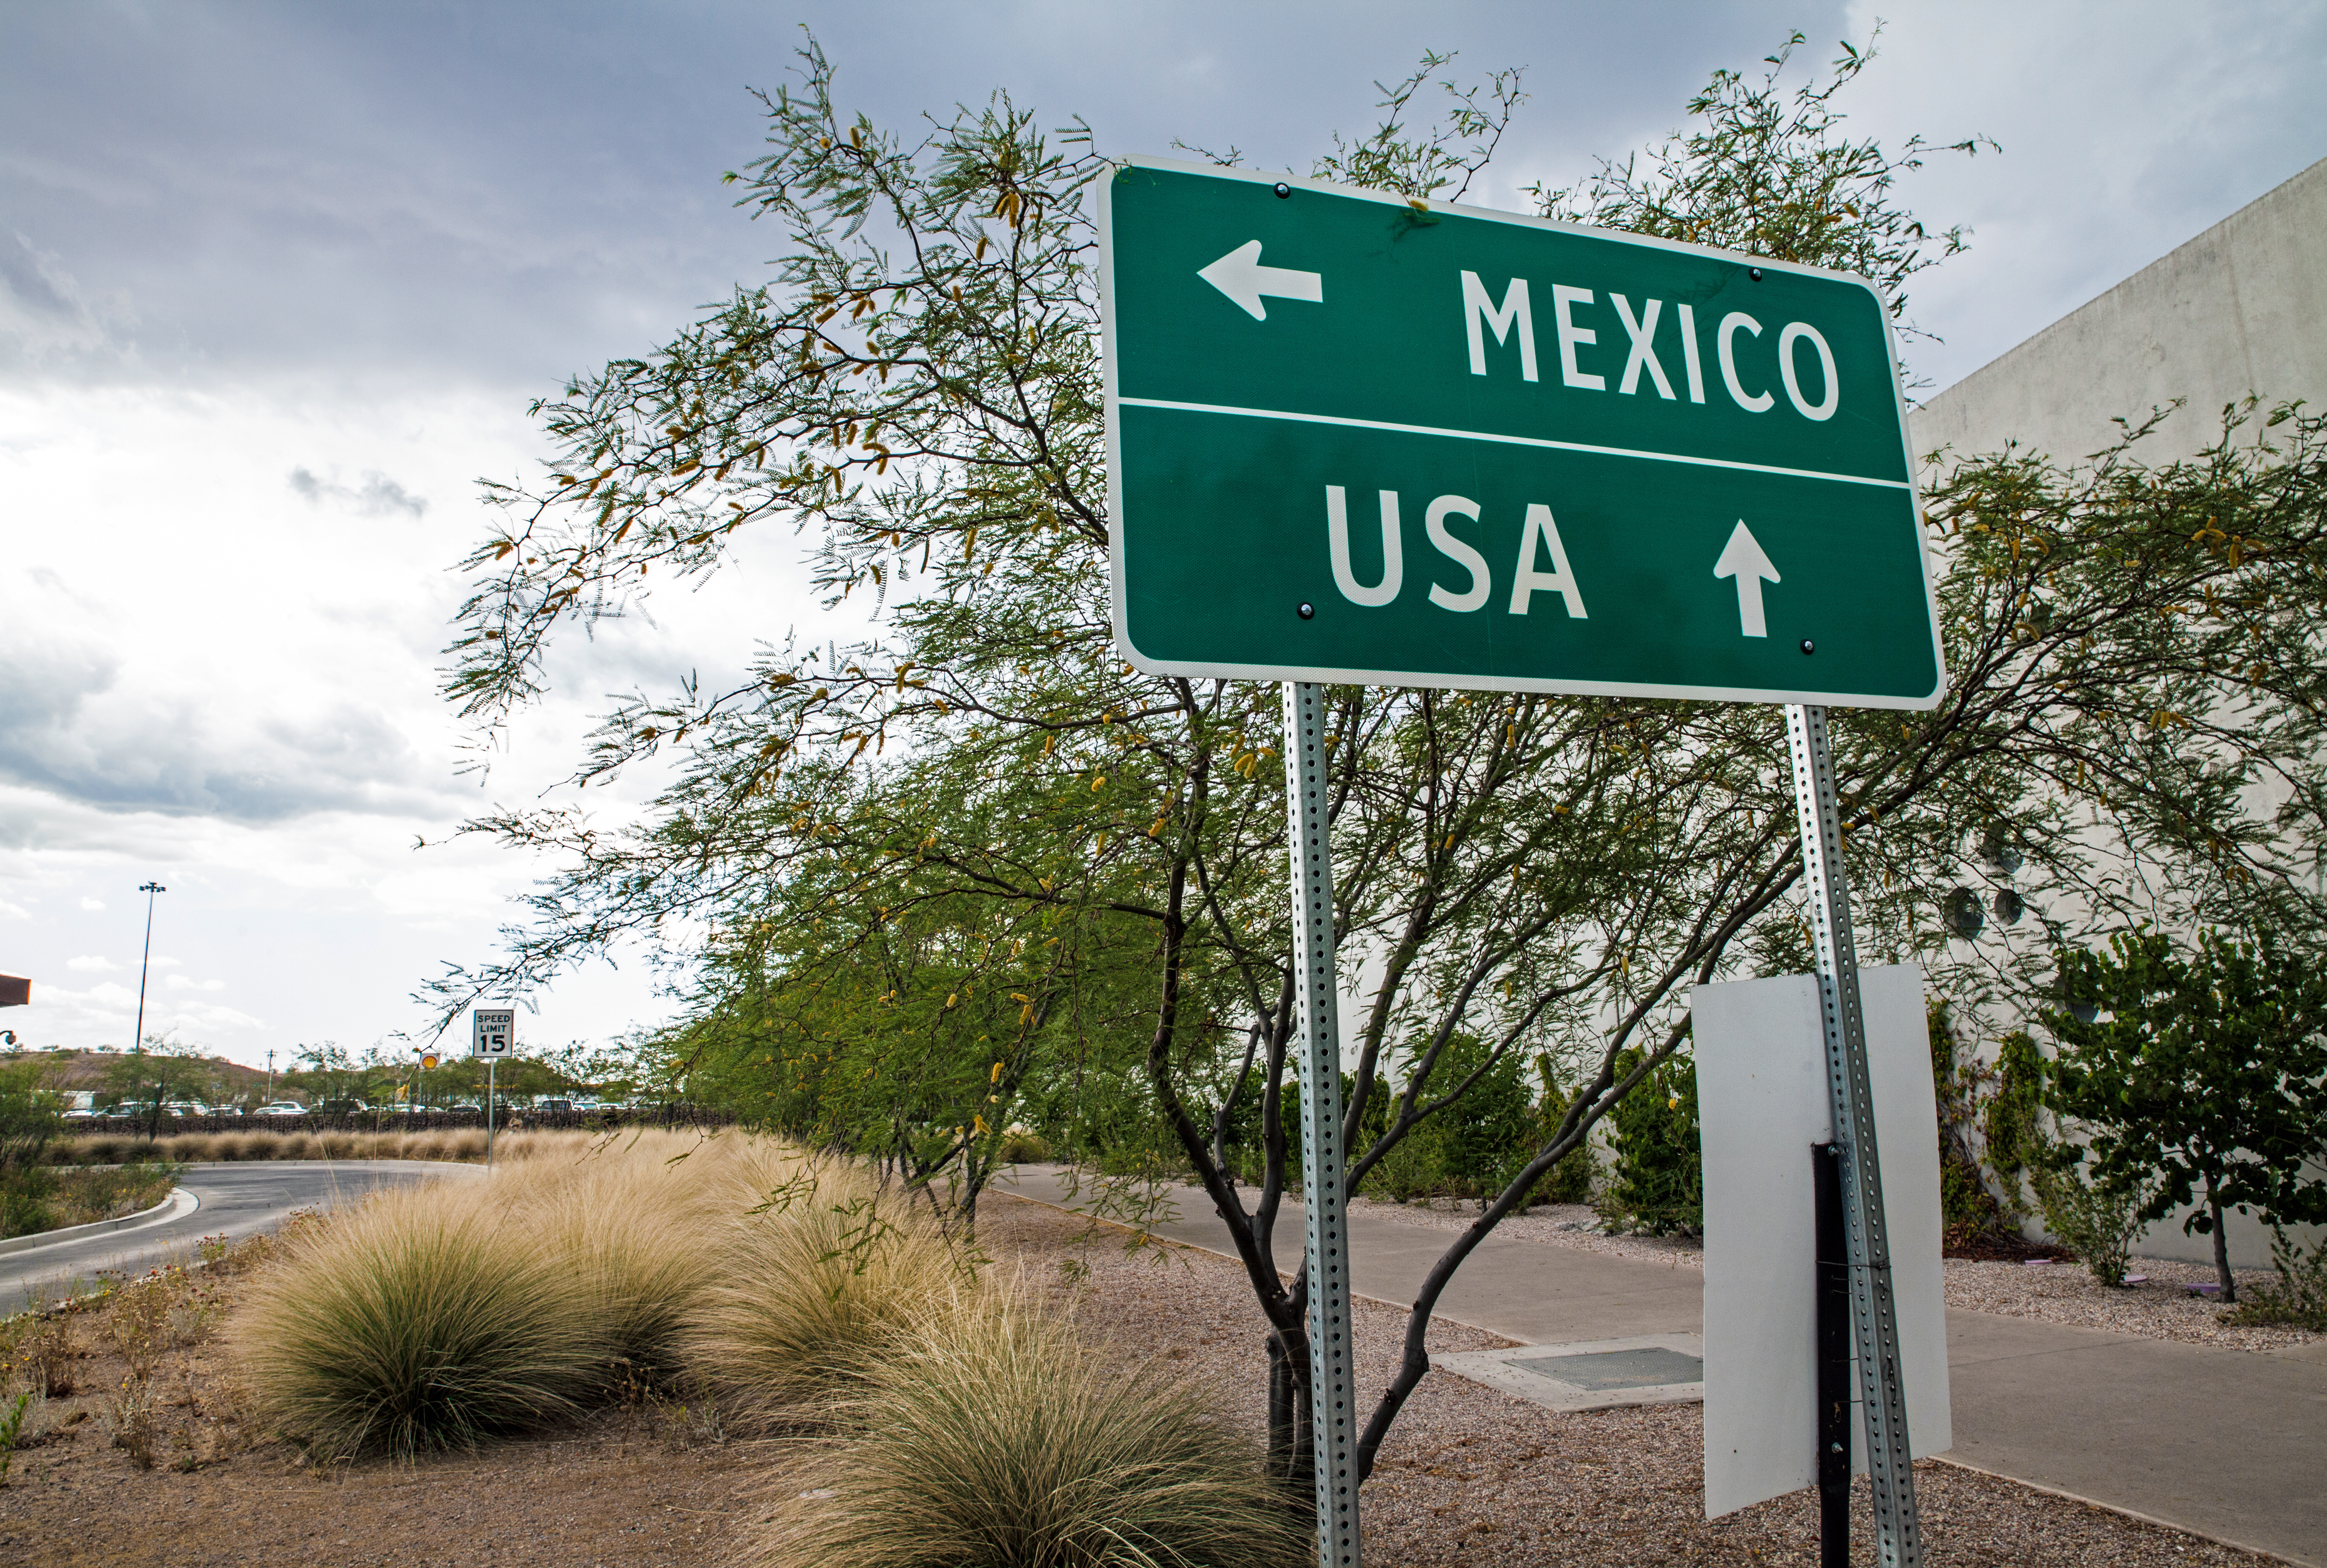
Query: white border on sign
point(1335, 676)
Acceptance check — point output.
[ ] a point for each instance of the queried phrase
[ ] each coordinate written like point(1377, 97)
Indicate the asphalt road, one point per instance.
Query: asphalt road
point(236, 1201)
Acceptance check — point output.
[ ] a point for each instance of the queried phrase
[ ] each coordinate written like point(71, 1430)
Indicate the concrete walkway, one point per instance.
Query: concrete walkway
point(2228, 1443)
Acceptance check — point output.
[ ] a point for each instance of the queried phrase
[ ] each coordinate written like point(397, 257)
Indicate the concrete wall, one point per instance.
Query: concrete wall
point(2242, 308)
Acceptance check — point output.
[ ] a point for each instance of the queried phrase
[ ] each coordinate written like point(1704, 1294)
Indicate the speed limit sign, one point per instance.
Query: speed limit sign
point(496, 1032)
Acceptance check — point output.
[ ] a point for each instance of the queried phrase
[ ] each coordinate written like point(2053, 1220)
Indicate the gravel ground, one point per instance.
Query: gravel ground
point(2160, 1307)
point(1471, 1475)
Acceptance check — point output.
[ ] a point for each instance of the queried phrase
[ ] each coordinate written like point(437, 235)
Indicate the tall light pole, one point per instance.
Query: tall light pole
point(149, 890)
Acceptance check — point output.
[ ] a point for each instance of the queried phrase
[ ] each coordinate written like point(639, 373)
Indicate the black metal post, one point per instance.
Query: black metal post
point(1833, 1359)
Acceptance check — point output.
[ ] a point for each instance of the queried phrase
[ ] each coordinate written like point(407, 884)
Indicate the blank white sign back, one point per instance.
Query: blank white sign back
point(1762, 1101)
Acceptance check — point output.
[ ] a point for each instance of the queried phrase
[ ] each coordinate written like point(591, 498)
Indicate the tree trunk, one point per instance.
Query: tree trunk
point(1292, 1444)
point(2221, 1246)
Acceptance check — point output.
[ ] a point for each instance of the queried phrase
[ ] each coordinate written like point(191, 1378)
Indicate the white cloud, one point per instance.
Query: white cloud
point(188, 983)
point(92, 905)
point(378, 496)
point(9, 911)
point(91, 963)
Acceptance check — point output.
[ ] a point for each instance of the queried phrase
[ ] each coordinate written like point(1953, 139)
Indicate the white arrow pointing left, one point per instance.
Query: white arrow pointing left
point(1743, 559)
point(1240, 275)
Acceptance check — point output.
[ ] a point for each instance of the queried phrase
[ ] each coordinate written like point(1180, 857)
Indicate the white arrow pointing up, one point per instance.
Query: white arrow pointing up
point(1743, 560)
point(1240, 275)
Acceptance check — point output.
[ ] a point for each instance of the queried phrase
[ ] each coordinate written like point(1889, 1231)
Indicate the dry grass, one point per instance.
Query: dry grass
point(588, 1267)
point(956, 1422)
point(814, 1286)
point(990, 1432)
point(466, 1144)
point(426, 1319)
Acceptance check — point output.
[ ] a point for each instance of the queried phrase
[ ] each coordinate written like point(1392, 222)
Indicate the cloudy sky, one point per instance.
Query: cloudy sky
point(276, 282)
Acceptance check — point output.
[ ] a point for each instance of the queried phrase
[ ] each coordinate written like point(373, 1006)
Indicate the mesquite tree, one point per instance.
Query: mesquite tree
point(976, 855)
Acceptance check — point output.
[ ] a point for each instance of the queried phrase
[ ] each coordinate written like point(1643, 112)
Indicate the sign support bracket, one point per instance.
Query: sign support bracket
point(1331, 1394)
point(1875, 1322)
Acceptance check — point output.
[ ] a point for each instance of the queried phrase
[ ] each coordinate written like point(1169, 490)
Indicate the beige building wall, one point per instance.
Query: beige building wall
point(2240, 309)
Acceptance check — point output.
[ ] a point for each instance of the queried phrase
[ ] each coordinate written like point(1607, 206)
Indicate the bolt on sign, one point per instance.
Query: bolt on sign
point(1354, 438)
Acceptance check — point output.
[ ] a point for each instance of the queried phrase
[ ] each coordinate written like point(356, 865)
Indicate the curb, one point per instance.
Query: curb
point(180, 1202)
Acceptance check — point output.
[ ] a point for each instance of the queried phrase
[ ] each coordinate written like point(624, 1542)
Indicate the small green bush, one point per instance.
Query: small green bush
point(2098, 1220)
point(2011, 1121)
point(992, 1435)
point(2297, 1299)
point(1572, 1180)
point(1658, 1185)
point(1473, 1148)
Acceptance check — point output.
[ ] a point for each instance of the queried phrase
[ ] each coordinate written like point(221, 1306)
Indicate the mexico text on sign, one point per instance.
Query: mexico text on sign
point(1355, 438)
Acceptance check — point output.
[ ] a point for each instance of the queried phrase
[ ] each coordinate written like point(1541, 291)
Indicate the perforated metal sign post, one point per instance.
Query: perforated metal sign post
point(1355, 438)
point(493, 1035)
point(1873, 1313)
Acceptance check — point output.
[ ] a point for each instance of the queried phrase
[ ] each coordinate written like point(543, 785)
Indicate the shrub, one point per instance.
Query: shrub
point(27, 1201)
point(1472, 1148)
point(989, 1434)
point(2011, 1122)
point(2297, 1298)
point(1658, 1185)
point(1572, 1180)
point(424, 1319)
point(2099, 1219)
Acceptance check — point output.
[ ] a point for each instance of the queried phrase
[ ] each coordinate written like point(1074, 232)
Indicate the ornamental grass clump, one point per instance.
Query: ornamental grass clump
point(424, 1319)
point(814, 1289)
point(631, 1231)
point(990, 1433)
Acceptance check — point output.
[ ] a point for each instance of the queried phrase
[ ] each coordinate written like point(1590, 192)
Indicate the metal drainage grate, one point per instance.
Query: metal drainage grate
point(1601, 1369)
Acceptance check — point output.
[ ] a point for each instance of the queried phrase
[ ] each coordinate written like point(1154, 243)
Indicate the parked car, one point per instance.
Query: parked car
point(281, 1108)
point(185, 1108)
point(343, 1107)
point(82, 1114)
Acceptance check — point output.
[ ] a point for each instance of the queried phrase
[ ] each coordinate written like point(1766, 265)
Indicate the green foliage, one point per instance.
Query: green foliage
point(31, 1114)
point(2209, 1073)
point(2012, 1122)
point(1966, 1207)
point(12, 1424)
point(31, 1118)
point(1658, 1185)
point(1577, 1174)
point(1777, 175)
point(2297, 1299)
point(1475, 1145)
point(2099, 1218)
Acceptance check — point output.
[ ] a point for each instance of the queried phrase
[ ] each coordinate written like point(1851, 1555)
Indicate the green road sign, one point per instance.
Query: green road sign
point(1357, 438)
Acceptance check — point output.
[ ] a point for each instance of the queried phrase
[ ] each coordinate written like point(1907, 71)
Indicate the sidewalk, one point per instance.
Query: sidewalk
point(2229, 1443)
